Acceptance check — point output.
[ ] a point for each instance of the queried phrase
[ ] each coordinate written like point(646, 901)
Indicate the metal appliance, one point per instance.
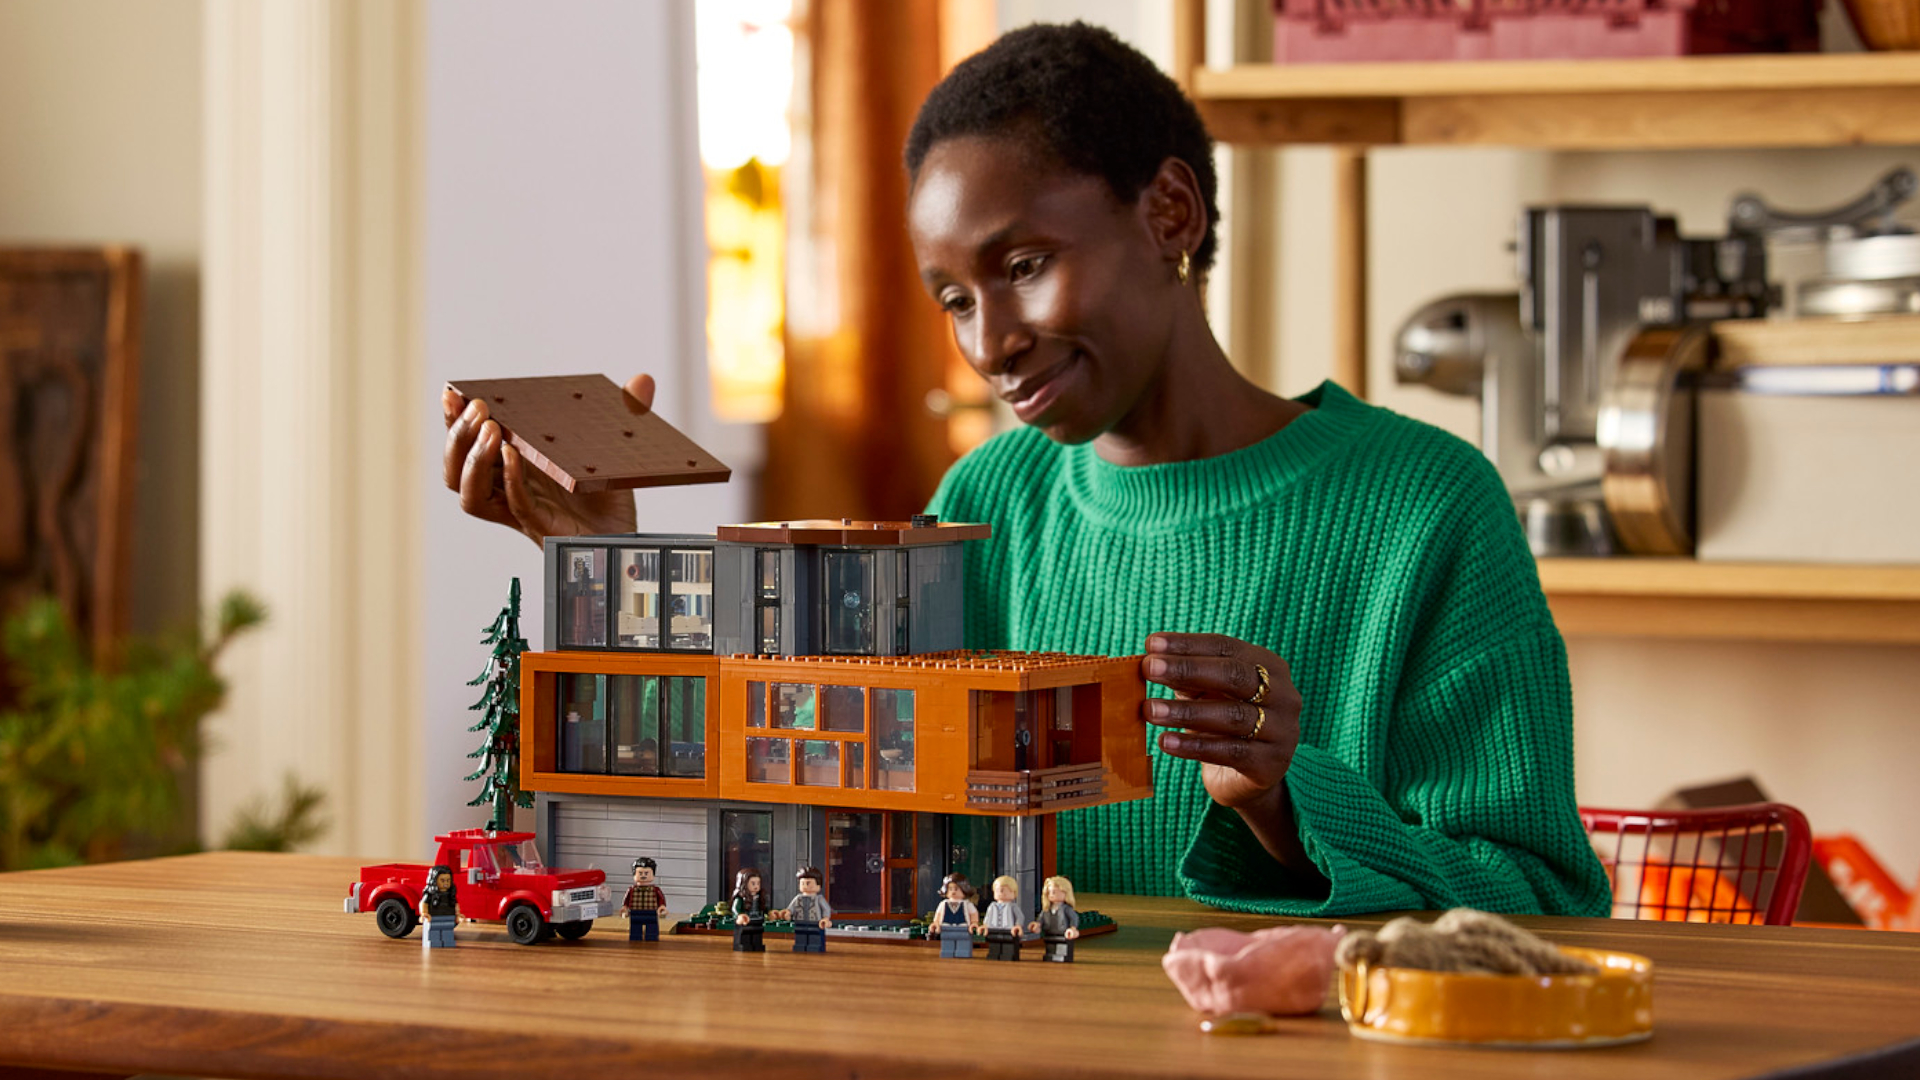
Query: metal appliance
point(1543, 362)
point(1585, 377)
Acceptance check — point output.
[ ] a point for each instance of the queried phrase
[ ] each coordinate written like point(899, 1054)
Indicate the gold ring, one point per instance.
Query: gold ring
point(1259, 721)
point(1260, 695)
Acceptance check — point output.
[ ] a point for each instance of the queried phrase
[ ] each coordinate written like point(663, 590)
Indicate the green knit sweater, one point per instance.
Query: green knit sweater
point(1380, 558)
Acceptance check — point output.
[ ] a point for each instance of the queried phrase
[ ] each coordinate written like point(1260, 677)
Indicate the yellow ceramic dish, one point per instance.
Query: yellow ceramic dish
point(1536, 1012)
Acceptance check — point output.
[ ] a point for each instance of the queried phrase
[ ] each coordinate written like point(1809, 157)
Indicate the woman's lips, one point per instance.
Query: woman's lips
point(1035, 394)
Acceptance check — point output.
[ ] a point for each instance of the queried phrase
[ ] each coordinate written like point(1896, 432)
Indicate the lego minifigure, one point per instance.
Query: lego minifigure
point(1058, 923)
point(955, 918)
point(749, 911)
point(646, 905)
point(439, 905)
point(809, 912)
point(1004, 919)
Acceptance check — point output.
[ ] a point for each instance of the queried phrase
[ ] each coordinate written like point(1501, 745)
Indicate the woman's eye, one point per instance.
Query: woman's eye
point(1025, 267)
point(957, 303)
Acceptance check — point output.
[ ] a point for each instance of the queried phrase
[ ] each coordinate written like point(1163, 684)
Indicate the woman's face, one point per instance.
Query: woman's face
point(956, 891)
point(1058, 294)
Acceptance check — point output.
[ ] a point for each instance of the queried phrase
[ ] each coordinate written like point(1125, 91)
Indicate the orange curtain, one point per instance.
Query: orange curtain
point(855, 437)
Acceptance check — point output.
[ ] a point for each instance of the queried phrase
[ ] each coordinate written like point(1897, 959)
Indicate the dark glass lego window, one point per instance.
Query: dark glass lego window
point(770, 629)
point(854, 861)
point(843, 708)
point(848, 599)
point(901, 605)
point(583, 596)
point(893, 740)
point(583, 723)
point(793, 706)
point(819, 763)
point(768, 761)
point(690, 600)
point(746, 840)
point(767, 600)
point(856, 773)
point(757, 704)
point(686, 725)
point(633, 710)
point(637, 623)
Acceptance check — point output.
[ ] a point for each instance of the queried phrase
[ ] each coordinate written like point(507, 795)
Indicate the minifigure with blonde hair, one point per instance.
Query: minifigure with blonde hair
point(1058, 923)
point(1004, 919)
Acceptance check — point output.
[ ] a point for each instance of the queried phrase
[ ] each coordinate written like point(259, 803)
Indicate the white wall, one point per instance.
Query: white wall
point(100, 143)
point(562, 237)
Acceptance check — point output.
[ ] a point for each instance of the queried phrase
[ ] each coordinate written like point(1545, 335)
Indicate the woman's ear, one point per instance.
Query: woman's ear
point(1176, 214)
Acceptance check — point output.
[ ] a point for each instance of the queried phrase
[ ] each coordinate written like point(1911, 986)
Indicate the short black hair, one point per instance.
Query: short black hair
point(646, 862)
point(1083, 96)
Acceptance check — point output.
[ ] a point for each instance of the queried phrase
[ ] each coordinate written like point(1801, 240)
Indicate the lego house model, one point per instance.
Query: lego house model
point(797, 694)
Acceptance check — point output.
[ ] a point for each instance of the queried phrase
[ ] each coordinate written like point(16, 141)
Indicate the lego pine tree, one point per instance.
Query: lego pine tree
point(499, 708)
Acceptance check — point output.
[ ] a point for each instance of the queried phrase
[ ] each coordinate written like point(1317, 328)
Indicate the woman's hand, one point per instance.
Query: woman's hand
point(495, 484)
point(1243, 746)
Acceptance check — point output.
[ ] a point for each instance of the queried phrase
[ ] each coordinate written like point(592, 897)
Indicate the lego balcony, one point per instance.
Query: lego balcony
point(1060, 788)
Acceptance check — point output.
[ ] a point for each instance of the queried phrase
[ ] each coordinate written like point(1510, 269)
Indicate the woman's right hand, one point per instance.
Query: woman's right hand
point(496, 485)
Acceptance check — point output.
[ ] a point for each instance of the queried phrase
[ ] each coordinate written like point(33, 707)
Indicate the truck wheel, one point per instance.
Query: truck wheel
point(573, 931)
point(396, 918)
point(524, 925)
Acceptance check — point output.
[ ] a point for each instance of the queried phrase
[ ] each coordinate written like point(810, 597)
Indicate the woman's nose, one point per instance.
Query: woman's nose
point(1001, 339)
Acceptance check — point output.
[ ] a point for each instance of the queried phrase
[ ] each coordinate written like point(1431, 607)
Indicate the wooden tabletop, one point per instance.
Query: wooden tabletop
point(245, 965)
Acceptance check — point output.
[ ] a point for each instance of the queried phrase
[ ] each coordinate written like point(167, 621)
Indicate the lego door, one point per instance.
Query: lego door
point(746, 840)
point(970, 848)
point(871, 866)
point(848, 602)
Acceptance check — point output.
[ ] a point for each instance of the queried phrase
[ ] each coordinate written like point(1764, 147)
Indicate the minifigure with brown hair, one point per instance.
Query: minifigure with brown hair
point(809, 912)
point(646, 905)
point(955, 918)
point(749, 911)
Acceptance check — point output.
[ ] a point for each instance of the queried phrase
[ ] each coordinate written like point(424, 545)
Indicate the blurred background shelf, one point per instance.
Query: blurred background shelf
point(1681, 598)
point(1805, 100)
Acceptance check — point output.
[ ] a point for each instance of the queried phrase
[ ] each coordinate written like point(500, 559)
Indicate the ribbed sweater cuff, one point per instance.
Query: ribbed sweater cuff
point(1228, 868)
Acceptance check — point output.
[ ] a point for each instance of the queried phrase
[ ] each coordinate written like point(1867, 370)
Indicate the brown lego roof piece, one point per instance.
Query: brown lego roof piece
point(590, 435)
point(850, 532)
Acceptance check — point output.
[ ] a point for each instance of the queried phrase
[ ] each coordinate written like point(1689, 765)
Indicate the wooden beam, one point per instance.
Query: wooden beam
point(1366, 121)
point(1669, 120)
point(1880, 622)
point(1350, 270)
point(1189, 42)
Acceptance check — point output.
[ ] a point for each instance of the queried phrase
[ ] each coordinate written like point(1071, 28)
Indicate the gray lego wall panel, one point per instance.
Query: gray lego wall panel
point(799, 614)
point(733, 593)
point(937, 621)
point(607, 833)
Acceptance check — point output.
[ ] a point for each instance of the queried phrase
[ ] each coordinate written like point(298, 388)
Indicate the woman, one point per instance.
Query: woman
point(954, 918)
point(1366, 701)
point(749, 907)
point(1059, 922)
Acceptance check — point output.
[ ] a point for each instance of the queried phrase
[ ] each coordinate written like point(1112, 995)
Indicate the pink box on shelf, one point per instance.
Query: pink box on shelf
point(1348, 31)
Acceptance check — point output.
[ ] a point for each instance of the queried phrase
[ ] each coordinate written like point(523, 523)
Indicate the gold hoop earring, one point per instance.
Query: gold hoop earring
point(1185, 269)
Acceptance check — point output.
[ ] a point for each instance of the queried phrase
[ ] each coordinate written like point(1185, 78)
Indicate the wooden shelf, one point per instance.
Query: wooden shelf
point(1835, 99)
point(1681, 598)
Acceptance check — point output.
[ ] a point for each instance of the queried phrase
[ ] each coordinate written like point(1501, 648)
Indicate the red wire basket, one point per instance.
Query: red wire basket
point(1331, 31)
point(1733, 864)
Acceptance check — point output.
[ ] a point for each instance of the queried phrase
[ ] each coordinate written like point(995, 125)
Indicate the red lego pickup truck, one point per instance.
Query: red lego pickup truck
point(499, 877)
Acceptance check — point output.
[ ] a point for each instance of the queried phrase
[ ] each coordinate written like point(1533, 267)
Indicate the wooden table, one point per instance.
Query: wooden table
point(245, 965)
